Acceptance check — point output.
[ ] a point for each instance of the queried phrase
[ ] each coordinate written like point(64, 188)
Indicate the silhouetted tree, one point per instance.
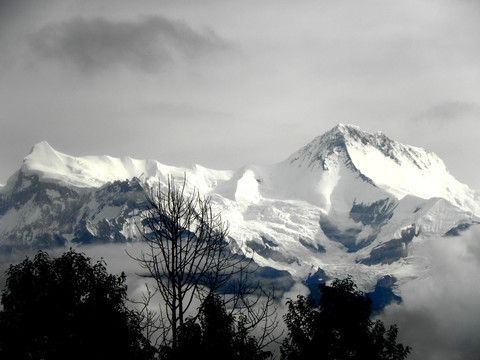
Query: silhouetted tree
point(218, 334)
point(338, 328)
point(190, 257)
point(67, 308)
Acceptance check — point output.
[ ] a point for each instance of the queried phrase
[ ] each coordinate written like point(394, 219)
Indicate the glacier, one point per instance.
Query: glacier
point(349, 202)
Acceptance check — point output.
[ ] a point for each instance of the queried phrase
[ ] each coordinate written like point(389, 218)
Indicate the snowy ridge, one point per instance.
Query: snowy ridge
point(95, 171)
point(349, 202)
point(394, 168)
point(86, 171)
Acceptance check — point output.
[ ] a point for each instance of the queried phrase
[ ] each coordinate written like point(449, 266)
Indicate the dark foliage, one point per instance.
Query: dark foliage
point(218, 334)
point(338, 328)
point(67, 308)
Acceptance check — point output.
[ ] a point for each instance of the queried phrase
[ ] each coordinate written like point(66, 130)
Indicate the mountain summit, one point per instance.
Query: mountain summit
point(396, 168)
point(349, 139)
point(349, 202)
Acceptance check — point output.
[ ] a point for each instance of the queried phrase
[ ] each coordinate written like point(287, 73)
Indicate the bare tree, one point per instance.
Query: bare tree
point(190, 256)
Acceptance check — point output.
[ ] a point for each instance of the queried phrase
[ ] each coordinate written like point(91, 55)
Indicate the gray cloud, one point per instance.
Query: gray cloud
point(10, 9)
point(451, 111)
point(147, 44)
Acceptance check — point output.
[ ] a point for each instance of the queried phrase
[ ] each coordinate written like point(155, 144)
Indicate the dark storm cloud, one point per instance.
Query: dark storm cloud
point(147, 44)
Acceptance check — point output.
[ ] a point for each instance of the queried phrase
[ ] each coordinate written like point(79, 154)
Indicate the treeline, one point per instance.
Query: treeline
point(69, 308)
point(202, 303)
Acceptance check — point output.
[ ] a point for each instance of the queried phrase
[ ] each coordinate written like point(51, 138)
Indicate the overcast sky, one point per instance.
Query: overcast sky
point(231, 83)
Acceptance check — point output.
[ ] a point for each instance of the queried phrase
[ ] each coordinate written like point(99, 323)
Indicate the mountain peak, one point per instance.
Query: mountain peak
point(41, 148)
point(346, 128)
point(345, 139)
point(385, 163)
point(353, 133)
point(42, 145)
point(42, 153)
point(314, 154)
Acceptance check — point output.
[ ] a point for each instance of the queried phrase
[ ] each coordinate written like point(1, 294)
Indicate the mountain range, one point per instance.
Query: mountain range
point(349, 202)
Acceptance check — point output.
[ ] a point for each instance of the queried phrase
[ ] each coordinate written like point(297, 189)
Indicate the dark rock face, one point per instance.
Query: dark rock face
point(392, 250)
point(458, 229)
point(383, 293)
point(316, 248)
point(47, 213)
point(268, 250)
point(313, 283)
point(347, 237)
point(123, 199)
point(45, 210)
point(375, 215)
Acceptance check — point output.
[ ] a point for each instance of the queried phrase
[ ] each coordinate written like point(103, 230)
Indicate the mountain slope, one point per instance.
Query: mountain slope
point(349, 202)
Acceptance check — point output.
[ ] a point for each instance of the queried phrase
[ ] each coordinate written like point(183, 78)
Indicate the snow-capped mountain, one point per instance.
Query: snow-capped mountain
point(349, 202)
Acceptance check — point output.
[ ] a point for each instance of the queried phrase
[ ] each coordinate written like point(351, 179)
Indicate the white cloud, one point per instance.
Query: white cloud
point(440, 313)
